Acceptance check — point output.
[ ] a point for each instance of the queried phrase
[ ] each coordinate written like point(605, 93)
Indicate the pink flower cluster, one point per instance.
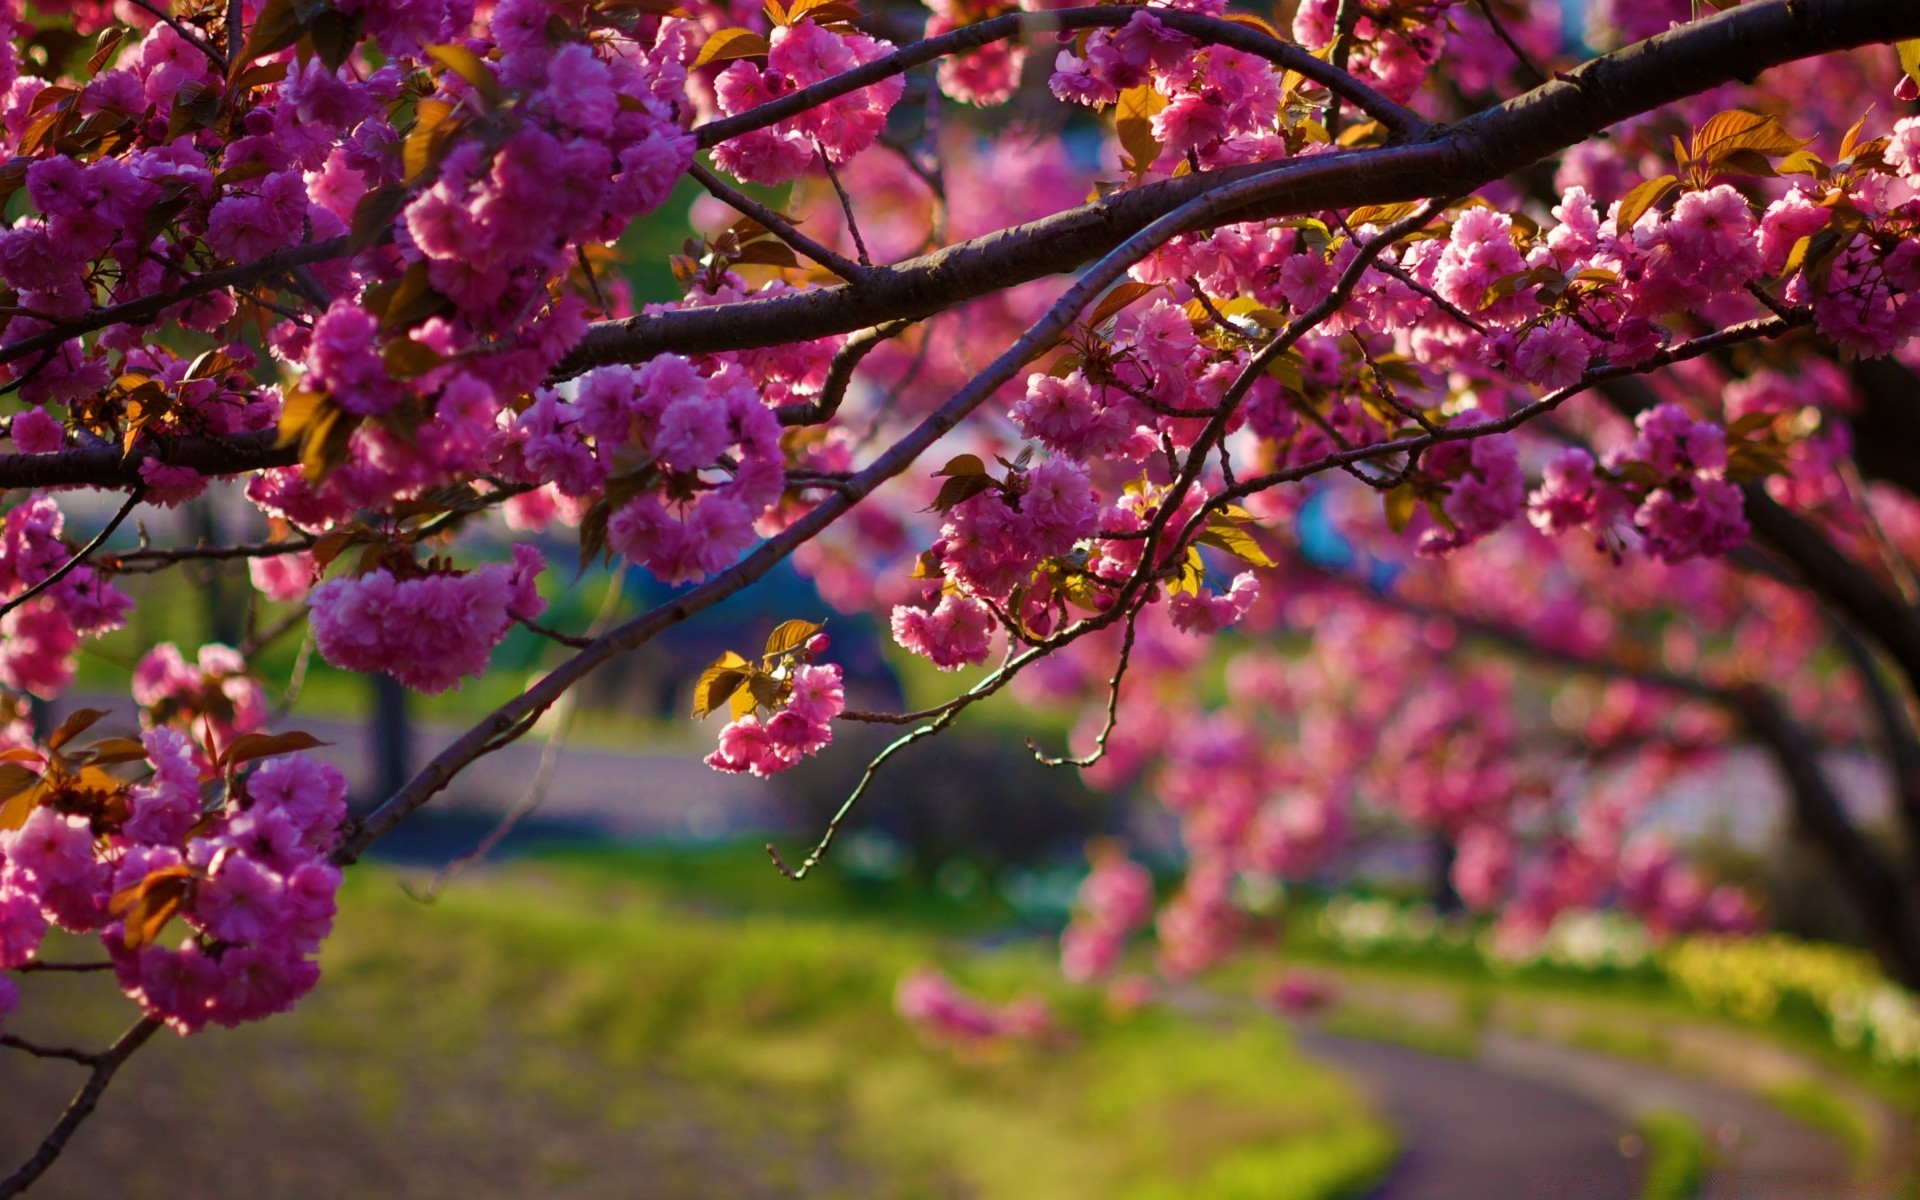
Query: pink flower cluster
point(802, 727)
point(427, 630)
point(1674, 469)
point(1115, 899)
point(250, 878)
point(947, 1016)
point(803, 53)
point(955, 633)
point(214, 696)
point(38, 639)
point(670, 429)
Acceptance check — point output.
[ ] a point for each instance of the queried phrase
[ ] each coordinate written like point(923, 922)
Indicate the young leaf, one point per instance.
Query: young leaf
point(718, 683)
point(275, 28)
point(1116, 300)
point(1133, 122)
point(789, 635)
point(1229, 536)
point(147, 906)
point(960, 489)
point(250, 746)
point(962, 464)
point(77, 723)
point(730, 44)
point(111, 750)
point(1642, 198)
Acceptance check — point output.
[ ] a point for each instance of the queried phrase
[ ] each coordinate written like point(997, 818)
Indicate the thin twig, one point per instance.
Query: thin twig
point(186, 35)
point(776, 224)
point(1535, 76)
point(839, 375)
point(85, 1058)
point(1099, 750)
point(80, 1108)
point(846, 205)
point(536, 794)
point(144, 561)
point(133, 498)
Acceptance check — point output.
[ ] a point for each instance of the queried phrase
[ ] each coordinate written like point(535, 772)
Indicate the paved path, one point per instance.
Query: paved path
point(1469, 1132)
point(1537, 1120)
point(1759, 1153)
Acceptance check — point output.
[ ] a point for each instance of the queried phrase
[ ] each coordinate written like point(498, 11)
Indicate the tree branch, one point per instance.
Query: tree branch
point(149, 308)
point(1234, 36)
point(79, 556)
point(1737, 44)
point(80, 1108)
point(776, 224)
point(104, 466)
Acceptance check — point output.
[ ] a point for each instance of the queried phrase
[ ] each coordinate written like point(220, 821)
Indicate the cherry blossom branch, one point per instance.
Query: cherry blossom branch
point(147, 561)
point(80, 556)
point(1232, 35)
point(37, 965)
point(840, 375)
point(516, 716)
point(776, 224)
point(149, 308)
point(1747, 331)
point(105, 466)
point(1099, 750)
point(83, 1057)
point(187, 35)
point(104, 1065)
point(1737, 44)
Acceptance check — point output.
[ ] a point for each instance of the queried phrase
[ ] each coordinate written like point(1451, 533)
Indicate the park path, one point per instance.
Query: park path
point(1536, 1120)
point(1469, 1132)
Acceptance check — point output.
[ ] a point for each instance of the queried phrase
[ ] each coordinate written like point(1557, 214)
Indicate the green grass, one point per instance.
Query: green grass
point(1816, 1105)
point(1380, 1025)
point(1676, 1153)
point(800, 1007)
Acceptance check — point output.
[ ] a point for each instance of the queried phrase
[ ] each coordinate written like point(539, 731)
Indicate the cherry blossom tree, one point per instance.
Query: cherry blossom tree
point(1595, 359)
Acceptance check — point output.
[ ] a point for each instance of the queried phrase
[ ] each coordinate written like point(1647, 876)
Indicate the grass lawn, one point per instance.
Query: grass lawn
point(554, 1030)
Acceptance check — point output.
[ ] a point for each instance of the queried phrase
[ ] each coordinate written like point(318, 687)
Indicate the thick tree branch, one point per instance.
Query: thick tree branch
point(1886, 906)
point(1738, 44)
point(104, 466)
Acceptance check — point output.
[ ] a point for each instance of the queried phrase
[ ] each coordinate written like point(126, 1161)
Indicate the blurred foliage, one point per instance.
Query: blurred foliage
point(1676, 1153)
point(799, 1005)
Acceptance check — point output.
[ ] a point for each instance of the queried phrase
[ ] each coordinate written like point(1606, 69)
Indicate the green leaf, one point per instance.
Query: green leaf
point(1229, 536)
point(1400, 504)
point(1909, 52)
point(468, 66)
point(334, 34)
point(962, 464)
point(275, 28)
